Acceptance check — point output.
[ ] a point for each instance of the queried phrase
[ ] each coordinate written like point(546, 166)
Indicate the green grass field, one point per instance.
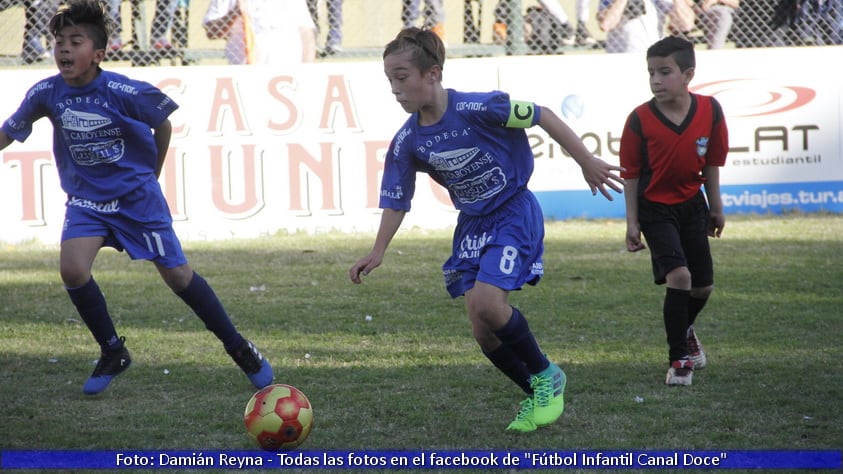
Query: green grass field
point(411, 377)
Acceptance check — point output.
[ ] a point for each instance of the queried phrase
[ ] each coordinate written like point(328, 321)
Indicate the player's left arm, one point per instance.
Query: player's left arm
point(718, 149)
point(162, 133)
point(597, 173)
point(717, 220)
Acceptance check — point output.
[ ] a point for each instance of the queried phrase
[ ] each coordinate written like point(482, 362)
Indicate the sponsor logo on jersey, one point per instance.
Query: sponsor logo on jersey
point(482, 187)
point(109, 207)
point(453, 159)
point(82, 121)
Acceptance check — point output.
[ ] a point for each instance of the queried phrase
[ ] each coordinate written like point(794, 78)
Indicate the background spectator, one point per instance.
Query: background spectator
point(568, 34)
point(279, 32)
point(162, 23)
point(715, 18)
point(763, 23)
point(631, 26)
point(36, 37)
point(434, 15)
point(333, 42)
point(819, 22)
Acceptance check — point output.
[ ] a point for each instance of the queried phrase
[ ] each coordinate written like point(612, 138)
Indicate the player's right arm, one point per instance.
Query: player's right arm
point(596, 172)
point(630, 155)
point(633, 227)
point(390, 222)
point(5, 140)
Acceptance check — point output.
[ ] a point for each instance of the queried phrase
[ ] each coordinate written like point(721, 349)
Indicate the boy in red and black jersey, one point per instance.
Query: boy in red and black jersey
point(671, 149)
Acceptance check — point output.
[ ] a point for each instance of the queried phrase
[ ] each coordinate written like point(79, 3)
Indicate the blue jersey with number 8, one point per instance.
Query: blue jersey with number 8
point(480, 153)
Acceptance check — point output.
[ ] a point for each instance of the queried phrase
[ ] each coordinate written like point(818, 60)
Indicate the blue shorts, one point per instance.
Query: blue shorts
point(503, 249)
point(139, 223)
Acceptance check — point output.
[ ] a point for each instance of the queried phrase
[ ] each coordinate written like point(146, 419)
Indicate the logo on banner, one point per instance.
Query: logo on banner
point(755, 97)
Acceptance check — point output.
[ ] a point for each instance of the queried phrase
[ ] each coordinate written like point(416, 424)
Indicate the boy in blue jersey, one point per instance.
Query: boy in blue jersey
point(110, 139)
point(475, 145)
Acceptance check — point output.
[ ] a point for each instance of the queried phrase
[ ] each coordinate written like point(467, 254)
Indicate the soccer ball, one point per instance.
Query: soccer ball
point(278, 417)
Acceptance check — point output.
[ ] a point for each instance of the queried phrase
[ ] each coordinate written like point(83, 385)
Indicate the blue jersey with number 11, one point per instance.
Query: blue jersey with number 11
point(478, 150)
point(102, 139)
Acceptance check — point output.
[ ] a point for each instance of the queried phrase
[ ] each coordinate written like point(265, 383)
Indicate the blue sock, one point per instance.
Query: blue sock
point(507, 362)
point(517, 335)
point(90, 303)
point(204, 302)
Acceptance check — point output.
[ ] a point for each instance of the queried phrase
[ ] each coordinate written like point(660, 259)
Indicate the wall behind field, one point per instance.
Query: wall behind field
point(260, 150)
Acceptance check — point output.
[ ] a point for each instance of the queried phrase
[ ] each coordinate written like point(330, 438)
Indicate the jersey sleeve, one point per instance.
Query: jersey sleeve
point(718, 146)
point(632, 147)
point(158, 106)
point(19, 124)
point(147, 104)
point(398, 183)
point(505, 111)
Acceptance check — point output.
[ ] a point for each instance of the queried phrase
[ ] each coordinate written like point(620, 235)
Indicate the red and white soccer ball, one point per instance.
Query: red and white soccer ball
point(278, 417)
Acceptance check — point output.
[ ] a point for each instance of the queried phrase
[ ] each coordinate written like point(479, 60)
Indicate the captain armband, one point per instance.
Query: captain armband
point(521, 114)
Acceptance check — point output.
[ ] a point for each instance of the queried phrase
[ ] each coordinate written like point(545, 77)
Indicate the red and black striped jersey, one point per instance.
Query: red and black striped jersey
point(668, 158)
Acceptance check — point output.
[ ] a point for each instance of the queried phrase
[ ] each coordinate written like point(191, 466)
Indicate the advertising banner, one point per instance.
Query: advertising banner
point(258, 150)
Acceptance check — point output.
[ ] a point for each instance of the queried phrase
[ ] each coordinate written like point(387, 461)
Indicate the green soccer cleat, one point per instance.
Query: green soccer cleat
point(524, 419)
point(548, 389)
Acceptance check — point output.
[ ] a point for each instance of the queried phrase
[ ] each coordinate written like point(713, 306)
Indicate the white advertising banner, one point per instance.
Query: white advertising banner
point(782, 106)
point(257, 151)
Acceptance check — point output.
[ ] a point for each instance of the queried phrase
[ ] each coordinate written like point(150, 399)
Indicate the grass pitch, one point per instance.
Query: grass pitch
point(391, 364)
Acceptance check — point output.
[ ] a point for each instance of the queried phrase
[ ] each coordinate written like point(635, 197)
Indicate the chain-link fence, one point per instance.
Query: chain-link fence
point(172, 32)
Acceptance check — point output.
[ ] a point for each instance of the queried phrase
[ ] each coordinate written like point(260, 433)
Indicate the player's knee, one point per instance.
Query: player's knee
point(74, 277)
point(702, 292)
point(177, 278)
point(679, 277)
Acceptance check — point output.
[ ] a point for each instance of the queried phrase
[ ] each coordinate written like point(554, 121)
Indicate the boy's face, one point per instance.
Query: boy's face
point(411, 88)
point(76, 56)
point(667, 82)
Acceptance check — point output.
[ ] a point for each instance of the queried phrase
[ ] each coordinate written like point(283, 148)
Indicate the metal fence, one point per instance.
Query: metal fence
point(171, 32)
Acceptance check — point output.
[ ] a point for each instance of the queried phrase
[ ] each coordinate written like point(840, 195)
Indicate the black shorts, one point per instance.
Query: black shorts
point(677, 235)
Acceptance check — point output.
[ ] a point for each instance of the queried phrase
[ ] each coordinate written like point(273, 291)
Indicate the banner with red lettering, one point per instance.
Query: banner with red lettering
point(257, 150)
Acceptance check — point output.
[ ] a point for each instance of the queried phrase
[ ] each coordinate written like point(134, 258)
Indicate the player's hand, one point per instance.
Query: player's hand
point(599, 174)
point(363, 267)
point(633, 239)
point(716, 223)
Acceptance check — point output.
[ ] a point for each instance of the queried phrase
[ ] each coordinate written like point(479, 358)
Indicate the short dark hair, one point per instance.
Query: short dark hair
point(681, 49)
point(89, 14)
point(428, 49)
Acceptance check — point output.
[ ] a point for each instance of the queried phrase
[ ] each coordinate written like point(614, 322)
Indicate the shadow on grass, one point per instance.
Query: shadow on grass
point(198, 405)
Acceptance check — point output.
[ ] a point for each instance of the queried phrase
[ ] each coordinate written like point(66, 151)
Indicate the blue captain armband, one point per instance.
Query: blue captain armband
point(521, 114)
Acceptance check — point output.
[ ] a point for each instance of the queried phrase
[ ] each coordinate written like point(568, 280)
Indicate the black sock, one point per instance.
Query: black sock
point(90, 303)
point(517, 335)
point(676, 322)
point(507, 362)
point(695, 305)
point(204, 302)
